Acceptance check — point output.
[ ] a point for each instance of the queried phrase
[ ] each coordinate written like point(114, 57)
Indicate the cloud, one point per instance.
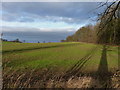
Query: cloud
point(25, 29)
point(41, 24)
point(49, 21)
point(69, 12)
point(36, 34)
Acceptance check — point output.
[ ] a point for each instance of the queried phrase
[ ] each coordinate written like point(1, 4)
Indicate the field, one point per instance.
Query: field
point(66, 59)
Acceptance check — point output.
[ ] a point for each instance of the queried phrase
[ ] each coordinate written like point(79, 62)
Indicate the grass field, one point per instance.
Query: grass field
point(58, 55)
point(62, 57)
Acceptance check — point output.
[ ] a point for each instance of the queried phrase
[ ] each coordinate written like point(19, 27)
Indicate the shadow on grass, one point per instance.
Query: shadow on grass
point(103, 66)
point(28, 49)
point(103, 75)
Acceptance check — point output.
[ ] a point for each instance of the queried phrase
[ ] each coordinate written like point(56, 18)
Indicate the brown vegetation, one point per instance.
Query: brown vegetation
point(46, 78)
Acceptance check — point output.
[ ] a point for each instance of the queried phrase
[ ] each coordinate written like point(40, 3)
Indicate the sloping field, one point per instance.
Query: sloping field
point(61, 55)
point(68, 58)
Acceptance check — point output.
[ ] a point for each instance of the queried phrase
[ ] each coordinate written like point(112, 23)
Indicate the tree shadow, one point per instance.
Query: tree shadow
point(103, 66)
point(103, 75)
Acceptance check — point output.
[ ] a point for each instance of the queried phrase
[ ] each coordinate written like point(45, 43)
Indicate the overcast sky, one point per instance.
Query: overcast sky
point(48, 16)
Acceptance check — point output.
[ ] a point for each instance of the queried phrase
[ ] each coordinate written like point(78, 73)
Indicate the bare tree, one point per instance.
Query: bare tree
point(109, 26)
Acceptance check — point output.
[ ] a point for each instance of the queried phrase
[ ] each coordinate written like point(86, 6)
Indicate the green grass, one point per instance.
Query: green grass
point(11, 46)
point(63, 56)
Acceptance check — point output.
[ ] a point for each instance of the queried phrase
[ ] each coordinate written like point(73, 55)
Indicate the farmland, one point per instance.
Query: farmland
point(67, 59)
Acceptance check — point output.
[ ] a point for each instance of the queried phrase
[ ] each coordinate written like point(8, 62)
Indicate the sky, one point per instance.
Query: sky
point(47, 17)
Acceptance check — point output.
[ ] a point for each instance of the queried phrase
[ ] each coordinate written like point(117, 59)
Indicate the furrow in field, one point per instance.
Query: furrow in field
point(75, 69)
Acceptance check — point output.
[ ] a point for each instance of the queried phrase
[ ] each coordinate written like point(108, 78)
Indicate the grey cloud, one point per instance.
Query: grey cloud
point(26, 29)
point(77, 11)
point(33, 35)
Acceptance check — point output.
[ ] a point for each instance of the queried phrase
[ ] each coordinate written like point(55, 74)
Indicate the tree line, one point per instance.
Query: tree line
point(85, 34)
point(106, 30)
